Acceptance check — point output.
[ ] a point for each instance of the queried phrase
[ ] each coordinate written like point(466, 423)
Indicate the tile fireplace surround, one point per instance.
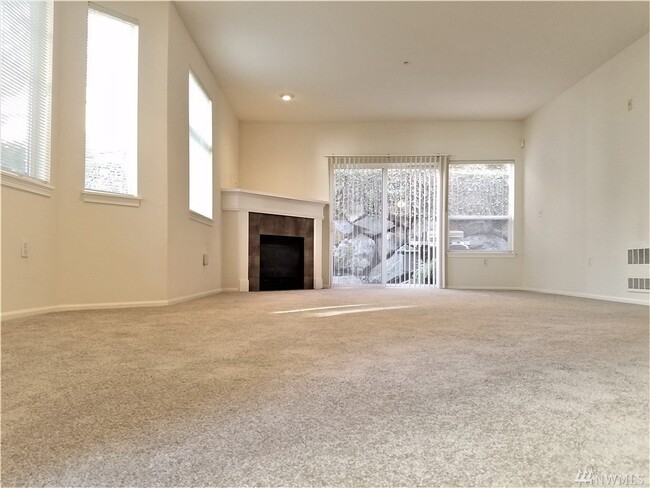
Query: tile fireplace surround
point(241, 240)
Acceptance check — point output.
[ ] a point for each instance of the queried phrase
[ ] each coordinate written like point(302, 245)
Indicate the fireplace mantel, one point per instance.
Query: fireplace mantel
point(252, 201)
point(237, 204)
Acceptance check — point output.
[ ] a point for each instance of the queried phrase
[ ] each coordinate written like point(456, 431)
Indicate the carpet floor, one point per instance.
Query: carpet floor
point(369, 387)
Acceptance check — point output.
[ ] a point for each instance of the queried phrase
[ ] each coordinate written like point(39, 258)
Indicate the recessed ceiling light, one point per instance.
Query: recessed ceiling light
point(287, 97)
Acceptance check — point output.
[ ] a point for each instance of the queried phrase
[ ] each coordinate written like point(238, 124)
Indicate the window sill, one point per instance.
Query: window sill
point(481, 254)
point(201, 218)
point(90, 196)
point(27, 184)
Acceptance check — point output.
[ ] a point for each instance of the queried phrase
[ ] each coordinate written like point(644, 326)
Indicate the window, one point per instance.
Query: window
point(480, 206)
point(111, 104)
point(200, 118)
point(25, 87)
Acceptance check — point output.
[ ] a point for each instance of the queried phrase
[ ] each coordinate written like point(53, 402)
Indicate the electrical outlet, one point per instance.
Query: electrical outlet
point(24, 248)
point(206, 259)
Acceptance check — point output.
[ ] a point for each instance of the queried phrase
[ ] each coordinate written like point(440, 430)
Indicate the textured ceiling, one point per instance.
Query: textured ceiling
point(344, 61)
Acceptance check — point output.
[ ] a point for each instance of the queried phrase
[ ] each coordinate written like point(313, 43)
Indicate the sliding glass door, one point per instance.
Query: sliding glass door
point(385, 220)
point(358, 226)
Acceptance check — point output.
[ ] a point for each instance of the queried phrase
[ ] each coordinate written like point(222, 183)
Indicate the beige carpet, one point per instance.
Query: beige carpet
point(453, 389)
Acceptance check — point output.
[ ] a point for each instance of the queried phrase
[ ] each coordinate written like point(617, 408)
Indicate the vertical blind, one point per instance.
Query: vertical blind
point(385, 219)
point(25, 87)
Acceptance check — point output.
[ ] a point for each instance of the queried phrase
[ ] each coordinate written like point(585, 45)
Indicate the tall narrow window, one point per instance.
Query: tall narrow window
point(480, 206)
point(25, 87)
point(200, 117)
point(111, 104)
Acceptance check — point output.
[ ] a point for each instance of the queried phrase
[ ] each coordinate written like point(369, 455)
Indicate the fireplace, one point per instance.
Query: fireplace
point(249, 215)
point(280, 252)
point(282, 262)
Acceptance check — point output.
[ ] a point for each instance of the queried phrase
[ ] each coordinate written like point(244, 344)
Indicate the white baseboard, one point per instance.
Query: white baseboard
point(486, 288)
point(106, 306)
point(187, 298)
point(632, 301)
point(28, 312)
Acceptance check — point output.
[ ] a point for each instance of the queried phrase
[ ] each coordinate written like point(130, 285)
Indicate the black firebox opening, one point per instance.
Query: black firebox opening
point(282, 262)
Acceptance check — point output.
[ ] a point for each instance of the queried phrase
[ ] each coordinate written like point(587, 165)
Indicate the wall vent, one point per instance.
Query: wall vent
point(638, 284)
point(638, 256)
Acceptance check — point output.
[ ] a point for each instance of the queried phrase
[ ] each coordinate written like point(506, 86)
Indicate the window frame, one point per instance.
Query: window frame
point(511, 252)
point(37, 177)
point(193, 213)
point(92, 195)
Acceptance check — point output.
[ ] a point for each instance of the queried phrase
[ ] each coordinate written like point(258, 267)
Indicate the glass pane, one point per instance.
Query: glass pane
point(479, 206)
point(358, 226)
point(111, 104)
point(410, 237)
point(479, 189)
point(200, 112)
point(200, 121)
point(25, 74)
point(479, 234)
point(200, 179)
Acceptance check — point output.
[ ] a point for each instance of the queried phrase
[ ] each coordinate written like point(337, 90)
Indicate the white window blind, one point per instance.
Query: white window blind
point(481, 206)
point(111, 104)
point(200, 157)
point(385, 220)
point(25, 87)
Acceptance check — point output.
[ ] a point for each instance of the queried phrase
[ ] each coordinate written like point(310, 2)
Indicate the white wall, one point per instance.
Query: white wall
point(289, 159)
point(87, 255)
point(28, 284)
point(82, 253)
point(189, 239)
point(108, 253)
point(586, 182)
